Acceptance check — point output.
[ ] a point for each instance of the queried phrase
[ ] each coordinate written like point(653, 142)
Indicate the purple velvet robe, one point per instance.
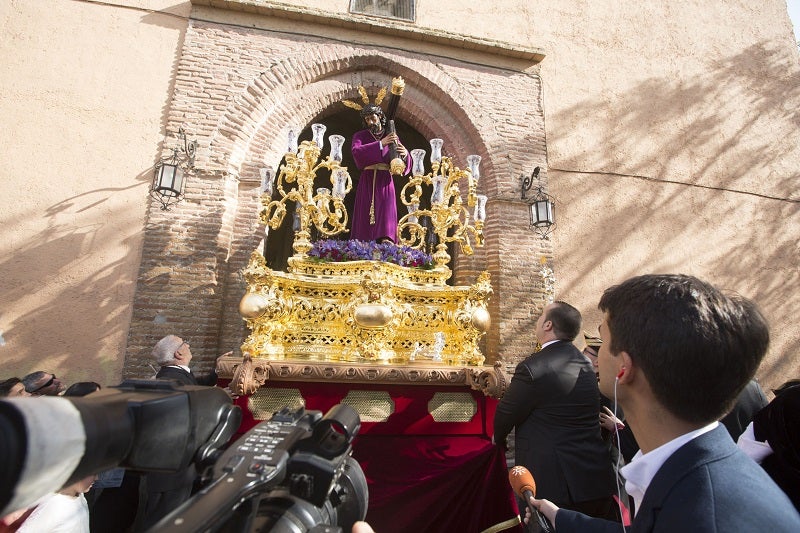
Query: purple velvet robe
point(367, 151)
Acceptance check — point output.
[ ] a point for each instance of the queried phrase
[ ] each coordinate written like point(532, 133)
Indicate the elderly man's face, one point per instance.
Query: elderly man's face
point(184, 351)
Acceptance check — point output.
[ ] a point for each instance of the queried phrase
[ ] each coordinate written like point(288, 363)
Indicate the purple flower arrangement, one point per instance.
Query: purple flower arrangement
point(337, 251)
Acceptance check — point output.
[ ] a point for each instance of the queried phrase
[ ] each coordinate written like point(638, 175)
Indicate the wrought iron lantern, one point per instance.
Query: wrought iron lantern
point(168, 178)
point(542, 208)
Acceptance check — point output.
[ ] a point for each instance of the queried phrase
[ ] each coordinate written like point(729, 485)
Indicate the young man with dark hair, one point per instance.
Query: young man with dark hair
point(676, 352)
point(553, 404)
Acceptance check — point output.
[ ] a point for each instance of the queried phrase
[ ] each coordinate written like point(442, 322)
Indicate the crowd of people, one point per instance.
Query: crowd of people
point(657, 425)
point(677, 356)
point(116, 500)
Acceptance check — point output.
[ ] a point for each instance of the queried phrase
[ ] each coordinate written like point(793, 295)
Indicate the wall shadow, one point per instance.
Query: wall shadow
point(734, 220)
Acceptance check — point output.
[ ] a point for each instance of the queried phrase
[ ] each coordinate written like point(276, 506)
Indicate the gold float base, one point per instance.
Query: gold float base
point(248, 374)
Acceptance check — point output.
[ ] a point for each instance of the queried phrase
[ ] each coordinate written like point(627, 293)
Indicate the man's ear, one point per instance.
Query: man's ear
point(628, 368)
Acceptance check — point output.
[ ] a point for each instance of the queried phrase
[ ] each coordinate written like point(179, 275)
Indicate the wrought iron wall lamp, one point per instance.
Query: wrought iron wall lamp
point(541, 206)
point(168, 179)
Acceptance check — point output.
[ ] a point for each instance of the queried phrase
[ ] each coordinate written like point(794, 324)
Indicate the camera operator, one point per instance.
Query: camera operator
point(157, 426)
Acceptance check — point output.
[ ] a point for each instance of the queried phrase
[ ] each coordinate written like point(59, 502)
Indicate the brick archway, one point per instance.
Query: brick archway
point(240, 89)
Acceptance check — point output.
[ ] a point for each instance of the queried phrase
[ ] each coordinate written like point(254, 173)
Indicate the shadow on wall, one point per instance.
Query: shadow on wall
point(181, 284)
point(45, 277)
point(735, 219)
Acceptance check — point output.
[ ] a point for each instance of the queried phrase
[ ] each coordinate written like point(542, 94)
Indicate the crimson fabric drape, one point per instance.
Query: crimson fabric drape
point(423, 475)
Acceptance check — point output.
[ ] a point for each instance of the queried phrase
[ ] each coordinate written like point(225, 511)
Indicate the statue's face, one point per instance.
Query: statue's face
point(373, 122)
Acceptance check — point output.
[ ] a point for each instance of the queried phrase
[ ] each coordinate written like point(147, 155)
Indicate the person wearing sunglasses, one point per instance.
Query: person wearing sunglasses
point(42, 383)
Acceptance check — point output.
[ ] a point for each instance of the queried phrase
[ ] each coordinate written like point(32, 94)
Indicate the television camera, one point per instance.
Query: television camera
point(292, 473)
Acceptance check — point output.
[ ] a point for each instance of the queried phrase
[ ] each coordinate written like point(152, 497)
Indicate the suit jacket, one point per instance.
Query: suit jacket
point(553, 402)
point(750, 401)
point(185, 378)
point(708, 485)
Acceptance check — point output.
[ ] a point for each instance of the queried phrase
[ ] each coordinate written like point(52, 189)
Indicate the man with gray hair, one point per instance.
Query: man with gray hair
point(173, 355)
point(42, 383)
point(165, 492)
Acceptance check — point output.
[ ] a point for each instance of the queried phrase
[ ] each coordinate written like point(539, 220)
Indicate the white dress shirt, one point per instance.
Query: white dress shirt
point(643, 467)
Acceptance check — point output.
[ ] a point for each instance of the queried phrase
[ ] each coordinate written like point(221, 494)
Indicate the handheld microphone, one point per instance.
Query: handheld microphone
point(524, 486)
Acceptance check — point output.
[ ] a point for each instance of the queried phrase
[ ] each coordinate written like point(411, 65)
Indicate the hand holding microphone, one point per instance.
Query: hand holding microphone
point(610, 422)
point(522, 482)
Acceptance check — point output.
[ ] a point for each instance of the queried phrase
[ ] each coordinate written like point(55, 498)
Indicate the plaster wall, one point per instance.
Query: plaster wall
point(676, 152)
point(83, 90)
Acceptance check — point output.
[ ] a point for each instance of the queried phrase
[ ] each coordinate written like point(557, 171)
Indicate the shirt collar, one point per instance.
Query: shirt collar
point(643, 467)
point(186, 368)
point(548, 343)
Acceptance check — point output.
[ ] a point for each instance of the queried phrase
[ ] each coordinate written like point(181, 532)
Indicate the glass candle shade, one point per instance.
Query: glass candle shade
point(413, 208)
point(318, 134)
point(436, 150)
point(480, 209)
point(418, 157)
point(336, 147)
point(292, 140)
point(266, 181)
point(437, 196)
point(296, 218)
point(339, 182)
point(322, 197)
point(474, 162)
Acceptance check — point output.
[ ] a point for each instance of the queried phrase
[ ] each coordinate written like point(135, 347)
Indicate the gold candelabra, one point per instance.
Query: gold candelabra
point(448, 215)
point(325, 209)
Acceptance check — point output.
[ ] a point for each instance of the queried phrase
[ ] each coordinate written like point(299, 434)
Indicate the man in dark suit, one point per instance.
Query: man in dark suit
point(165, 492)
point(553, 404)
point(750, 401)
point(173, 354)
point(676, 352)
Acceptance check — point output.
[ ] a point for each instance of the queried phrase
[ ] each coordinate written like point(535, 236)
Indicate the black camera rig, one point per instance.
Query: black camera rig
point(292, 473)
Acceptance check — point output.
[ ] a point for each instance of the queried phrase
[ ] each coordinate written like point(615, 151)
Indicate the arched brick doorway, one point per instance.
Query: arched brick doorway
point(241, 108)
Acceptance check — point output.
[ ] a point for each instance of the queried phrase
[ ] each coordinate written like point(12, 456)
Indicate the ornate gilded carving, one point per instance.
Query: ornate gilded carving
point(248, 374)
point(492, 381)
point(247, 377)
point(448, 215)
point(362, 311)
point(324, 210)
point(361, 322)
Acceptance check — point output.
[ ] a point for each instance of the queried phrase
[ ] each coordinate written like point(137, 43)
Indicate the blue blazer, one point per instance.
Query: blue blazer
point(707, 485)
